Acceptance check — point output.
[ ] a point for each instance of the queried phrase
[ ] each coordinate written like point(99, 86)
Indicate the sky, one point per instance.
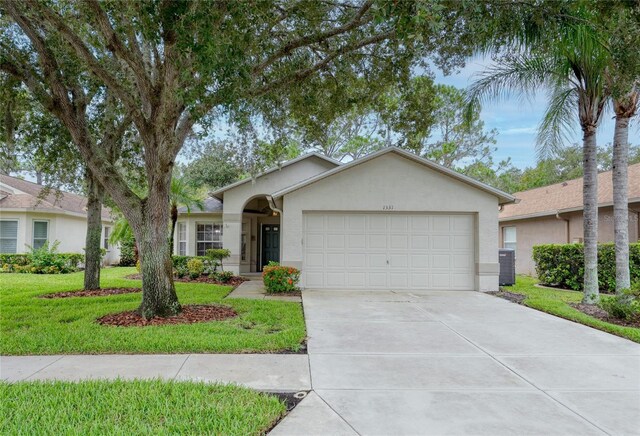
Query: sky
point(516, 119)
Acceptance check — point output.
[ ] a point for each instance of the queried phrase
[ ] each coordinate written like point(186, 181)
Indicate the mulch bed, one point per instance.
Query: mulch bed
point(511, 296)
point(234, 282)
point(285, 294)
point(602, 315)
point(92, 293)
point(190, 314)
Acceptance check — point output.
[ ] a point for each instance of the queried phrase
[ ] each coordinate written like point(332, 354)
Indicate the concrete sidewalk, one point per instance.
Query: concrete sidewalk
point(267, 372)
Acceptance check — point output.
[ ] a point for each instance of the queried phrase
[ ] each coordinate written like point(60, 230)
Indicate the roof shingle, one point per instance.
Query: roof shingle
point(547, 200)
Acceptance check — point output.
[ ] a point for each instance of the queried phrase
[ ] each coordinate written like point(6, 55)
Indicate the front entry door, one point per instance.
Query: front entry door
point(270, 243)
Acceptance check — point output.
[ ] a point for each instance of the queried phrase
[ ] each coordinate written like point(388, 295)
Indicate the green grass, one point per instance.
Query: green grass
point(31, 325)
point(134, 408)
point(556, 302)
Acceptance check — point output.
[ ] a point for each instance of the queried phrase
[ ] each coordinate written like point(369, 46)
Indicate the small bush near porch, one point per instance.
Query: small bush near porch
point(33, 325)
point(280, 279)
point(135, 407)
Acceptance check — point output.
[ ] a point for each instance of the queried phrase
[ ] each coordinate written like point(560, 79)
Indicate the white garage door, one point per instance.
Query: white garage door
point(388, 251)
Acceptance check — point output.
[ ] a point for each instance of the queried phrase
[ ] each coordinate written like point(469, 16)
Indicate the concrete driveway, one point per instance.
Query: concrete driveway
point(386, 363)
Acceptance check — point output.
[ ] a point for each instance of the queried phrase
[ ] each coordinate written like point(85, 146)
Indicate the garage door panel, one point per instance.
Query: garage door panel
point(378, 241)
point(335, 241)
point(389, 251)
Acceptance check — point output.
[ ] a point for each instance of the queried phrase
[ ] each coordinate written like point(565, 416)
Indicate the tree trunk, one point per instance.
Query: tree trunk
point(590, 216)
point(93, 255)
point(174, 220)
point(158, 291)
point(621, 201)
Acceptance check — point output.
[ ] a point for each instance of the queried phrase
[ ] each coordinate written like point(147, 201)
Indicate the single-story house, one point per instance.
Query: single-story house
point(553, 215)
point(390, 220)
point(28, 220)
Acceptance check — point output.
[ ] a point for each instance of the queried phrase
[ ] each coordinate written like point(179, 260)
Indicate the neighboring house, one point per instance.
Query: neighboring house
point(391, 220)
point(553, 214)
point(28, 220)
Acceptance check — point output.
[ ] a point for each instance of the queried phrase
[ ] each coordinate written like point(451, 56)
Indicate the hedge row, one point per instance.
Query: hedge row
point(41, 262)
point(563, 265)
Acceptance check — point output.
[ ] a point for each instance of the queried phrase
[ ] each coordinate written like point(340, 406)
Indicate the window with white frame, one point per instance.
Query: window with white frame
point(8, 236)
point(509, 237)
point(243, 243)
point(107, 232)
point(182, 239)
point(40, 233)
point(208, 236)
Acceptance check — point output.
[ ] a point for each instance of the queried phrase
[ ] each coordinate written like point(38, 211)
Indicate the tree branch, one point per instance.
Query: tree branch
point(313, 39)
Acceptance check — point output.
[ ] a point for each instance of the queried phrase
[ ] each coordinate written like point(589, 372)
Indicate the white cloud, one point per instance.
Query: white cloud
point(518, 130)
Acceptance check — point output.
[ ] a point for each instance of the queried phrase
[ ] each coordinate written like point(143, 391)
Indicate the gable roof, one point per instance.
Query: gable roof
point(22, 194)
point(567, 196)
point(220, 191)
point(502, 196)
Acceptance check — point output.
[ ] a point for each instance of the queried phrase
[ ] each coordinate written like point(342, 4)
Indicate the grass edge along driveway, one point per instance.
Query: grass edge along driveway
point(556, 302)
point(135, 407)
point(30, 325)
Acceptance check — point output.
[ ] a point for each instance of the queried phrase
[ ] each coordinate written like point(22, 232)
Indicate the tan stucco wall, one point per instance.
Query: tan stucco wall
point(551, 230)
point(69, 230)
point(236, 198)
point(391, 179)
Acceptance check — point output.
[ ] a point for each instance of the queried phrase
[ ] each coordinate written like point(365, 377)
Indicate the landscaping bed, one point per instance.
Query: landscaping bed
point(234, 281)
point(188, 315)
point(92, 293)
point(601, 314)
point(136, 408)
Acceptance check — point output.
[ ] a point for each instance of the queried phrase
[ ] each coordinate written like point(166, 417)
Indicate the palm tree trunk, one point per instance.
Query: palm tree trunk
point(590, 216)
point(625, 109)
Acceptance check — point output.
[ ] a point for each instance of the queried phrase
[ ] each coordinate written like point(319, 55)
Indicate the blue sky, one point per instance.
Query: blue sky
point(517, 119)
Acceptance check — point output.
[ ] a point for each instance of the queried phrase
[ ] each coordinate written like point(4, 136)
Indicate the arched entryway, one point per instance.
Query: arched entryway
point(260, 234)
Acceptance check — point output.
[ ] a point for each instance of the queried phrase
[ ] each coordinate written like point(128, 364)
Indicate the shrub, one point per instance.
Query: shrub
point(626, 305)
point(224, 276)
point(128, 254)
point(195, 267)
point(563, 265)
point(279, 279)
point(217, 255)
point(43, 260)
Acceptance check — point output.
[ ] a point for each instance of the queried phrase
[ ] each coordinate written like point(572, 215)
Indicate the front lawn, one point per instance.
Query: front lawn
point(556, 302)
point(32, 325)
point(135, 407)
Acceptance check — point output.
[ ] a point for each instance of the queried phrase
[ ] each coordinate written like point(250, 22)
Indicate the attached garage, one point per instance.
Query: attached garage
point(389, 250)
point(391, 220)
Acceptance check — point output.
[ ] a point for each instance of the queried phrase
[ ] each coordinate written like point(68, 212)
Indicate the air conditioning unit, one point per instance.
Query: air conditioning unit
point(507, 260)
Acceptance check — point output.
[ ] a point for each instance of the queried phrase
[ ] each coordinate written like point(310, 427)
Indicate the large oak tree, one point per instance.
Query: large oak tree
point(171, 65)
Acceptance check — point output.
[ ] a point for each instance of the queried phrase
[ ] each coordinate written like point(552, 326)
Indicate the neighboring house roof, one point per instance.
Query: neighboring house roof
point(17, 193)
point(567, 196)
point(502, 196)
point(220, 191)
point(211, 205)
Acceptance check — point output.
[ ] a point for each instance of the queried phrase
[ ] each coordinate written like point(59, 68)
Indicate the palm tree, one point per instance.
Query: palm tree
point(625, 108)
point(182, 194)
point(570, 64)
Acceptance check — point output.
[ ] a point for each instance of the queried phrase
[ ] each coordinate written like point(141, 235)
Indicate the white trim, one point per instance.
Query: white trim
point(502, 196)
point(217, 192)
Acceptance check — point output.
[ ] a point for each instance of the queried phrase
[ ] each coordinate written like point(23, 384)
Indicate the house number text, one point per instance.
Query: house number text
point(387, 207)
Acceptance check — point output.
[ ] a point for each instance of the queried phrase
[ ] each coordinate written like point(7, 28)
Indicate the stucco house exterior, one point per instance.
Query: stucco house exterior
point(391, 220)
point(553, 215)
point(28, 220)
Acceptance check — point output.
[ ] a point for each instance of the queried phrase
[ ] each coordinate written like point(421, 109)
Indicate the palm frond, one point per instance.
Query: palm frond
point(558, 122)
